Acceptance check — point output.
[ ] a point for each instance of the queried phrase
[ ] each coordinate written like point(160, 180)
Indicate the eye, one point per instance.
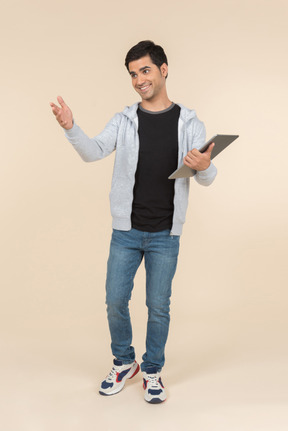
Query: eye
point(133, 75)
point(146, 71)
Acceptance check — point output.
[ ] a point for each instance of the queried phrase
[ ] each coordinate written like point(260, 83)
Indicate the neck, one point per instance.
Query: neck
point(158, 104)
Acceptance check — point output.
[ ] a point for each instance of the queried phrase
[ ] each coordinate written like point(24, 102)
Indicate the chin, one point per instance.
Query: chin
point(147, 96)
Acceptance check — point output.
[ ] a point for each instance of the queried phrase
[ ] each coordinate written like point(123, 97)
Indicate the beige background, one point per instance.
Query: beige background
point(227, 353)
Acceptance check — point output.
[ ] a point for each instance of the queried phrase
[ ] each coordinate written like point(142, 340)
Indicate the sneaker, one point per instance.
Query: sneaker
point(153, 386)
point(117, 377)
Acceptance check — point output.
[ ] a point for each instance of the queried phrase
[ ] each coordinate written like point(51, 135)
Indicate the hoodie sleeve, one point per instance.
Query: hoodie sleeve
point(91, 149)
point(206, 177)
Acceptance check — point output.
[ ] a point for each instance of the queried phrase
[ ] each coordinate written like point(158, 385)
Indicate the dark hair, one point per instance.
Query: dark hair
point(146, 47)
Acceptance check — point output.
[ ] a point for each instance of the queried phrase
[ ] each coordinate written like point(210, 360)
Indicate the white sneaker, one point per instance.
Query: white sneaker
point(153, 386)
point(117, 377)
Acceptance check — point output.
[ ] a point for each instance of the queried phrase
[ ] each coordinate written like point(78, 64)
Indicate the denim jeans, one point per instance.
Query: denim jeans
point(160, 252)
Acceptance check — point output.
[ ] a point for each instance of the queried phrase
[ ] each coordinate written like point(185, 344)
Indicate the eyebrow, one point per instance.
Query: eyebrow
point(140, 70)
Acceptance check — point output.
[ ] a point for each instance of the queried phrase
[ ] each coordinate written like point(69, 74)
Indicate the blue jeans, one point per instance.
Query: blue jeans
point(160, 252)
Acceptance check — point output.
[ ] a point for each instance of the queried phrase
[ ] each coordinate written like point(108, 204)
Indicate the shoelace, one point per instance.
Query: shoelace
point(153, 380)
point(112, 373)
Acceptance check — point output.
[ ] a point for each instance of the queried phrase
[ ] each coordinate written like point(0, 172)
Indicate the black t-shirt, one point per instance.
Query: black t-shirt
point(152, 209)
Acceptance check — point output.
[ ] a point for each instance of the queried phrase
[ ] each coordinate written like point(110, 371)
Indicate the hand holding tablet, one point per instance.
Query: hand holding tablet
point(220, 141)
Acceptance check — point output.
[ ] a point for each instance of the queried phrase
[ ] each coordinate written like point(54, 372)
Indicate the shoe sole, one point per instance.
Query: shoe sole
point(155, 401)
point(116, 391)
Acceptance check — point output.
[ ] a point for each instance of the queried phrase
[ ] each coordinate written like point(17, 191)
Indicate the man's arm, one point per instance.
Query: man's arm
point(201, 162)
point(90, 149)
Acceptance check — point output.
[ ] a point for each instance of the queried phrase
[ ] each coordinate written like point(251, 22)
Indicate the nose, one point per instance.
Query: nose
point(140, 80)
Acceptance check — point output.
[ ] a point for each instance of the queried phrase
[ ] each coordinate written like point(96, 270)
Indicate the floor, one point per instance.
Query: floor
point(50, 382)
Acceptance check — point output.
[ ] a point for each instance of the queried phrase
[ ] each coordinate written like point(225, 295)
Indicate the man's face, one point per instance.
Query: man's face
point(147, 79)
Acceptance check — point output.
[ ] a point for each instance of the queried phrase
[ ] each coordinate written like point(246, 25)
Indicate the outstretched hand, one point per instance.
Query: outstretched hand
point(199, 161)
point(63, 115)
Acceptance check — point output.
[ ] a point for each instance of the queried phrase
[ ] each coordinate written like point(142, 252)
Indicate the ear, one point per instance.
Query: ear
point(164, 70)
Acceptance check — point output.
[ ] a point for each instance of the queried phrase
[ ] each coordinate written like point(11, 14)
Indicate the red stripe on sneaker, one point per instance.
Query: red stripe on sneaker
point(136, 371)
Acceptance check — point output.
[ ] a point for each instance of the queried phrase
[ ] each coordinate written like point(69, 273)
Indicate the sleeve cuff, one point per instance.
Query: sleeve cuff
point(207, 172)
point(70, 133)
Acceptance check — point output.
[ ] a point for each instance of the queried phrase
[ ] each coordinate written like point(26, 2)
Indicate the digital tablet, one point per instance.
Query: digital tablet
point(221, 142)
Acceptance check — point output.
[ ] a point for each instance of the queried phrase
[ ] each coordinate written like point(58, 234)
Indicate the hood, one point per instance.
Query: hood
point(131, 111)
point(186, 114)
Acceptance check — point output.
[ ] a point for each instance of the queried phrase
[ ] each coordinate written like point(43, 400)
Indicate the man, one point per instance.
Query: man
point(151, 138)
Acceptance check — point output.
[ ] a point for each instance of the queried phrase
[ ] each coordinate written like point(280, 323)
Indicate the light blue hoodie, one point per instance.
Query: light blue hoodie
point(121, 134)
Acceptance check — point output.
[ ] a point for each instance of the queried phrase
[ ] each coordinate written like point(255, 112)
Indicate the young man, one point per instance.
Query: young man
point(151, 139)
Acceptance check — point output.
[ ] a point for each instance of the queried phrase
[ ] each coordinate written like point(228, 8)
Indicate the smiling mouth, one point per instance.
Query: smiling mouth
point(144, 88)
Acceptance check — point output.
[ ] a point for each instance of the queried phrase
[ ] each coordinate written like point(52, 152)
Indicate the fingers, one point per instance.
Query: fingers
point(193, 155)
point(210, 148)
point(190, 160)
point(63, 113)
point(194, 152)
point(55, 108)
point(197, 160)
point(185, 163)
point(61, 101)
